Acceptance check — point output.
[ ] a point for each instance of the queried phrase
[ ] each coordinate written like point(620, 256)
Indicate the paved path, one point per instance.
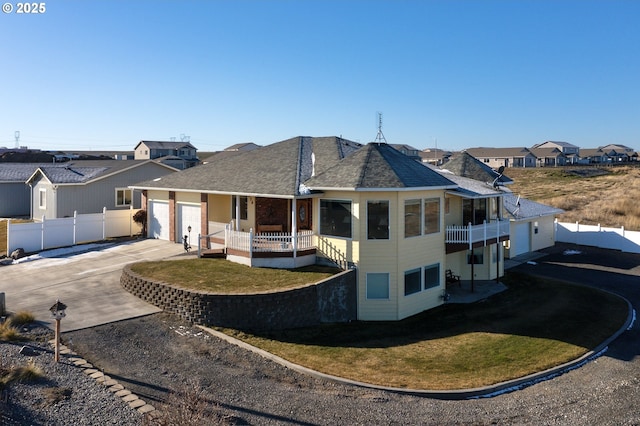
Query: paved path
point(88, 283)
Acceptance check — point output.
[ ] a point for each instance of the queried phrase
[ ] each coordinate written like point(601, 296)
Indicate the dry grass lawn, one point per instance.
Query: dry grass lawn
point(223, 276)
point(607, 196)
point(533, 326)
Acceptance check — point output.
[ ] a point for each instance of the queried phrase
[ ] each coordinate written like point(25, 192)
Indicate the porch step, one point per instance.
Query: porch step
point(213, 253)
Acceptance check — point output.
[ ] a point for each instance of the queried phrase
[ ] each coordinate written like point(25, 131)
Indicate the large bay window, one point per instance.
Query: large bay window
point(335, 218)
point(431, 215)
point(421, 217)
point(378, 220)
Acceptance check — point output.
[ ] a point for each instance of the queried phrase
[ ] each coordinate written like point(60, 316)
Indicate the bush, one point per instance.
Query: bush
point(21, 318)
point(140, 217)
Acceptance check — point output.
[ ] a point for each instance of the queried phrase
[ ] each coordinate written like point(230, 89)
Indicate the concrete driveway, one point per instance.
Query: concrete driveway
point(88, 283)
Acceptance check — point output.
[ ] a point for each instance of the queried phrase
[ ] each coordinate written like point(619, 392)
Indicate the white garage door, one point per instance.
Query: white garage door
point(522, 242)
point(159, 220)
point(188, 215)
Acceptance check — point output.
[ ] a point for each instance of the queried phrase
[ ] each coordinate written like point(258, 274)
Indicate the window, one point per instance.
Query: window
point(378, 220)
point(474, 211)
point(43, 198)
point(431, 215)
point(412, 282)
point(123, 197)
point(478, 256)
point(431, 276)
point(244, 208)
point(335, 218)
point(378, 286)
point(412, 215)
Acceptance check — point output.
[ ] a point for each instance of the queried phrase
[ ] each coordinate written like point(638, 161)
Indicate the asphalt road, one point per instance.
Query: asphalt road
point(87, 282)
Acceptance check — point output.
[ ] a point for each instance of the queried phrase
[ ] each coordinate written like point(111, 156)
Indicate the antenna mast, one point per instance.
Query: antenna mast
point(17, 136)
point(380, 137)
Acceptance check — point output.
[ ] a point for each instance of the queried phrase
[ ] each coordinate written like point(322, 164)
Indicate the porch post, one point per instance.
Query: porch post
point(294, 226)
point(498, 250)
point(237, 212)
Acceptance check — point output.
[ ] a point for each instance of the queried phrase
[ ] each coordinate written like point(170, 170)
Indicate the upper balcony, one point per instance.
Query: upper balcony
point(459, 238)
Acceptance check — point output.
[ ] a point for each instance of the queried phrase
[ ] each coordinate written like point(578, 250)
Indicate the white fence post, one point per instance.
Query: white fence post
point(104, 223)
point(75, 224)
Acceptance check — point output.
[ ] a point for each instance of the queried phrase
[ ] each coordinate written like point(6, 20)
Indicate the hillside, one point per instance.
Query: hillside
point(608, 196)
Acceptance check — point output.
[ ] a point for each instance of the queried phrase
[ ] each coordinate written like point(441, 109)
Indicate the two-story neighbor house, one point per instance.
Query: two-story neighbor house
point(400, 223)
point(179, 155)
point(58, 190)
point(571, 152)
point(507, 157)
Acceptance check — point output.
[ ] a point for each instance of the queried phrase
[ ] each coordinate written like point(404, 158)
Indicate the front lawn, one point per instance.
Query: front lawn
point(223, 276)
point(535, 325)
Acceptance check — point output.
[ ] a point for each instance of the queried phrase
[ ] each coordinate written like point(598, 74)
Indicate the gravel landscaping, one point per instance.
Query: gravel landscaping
point(157, 354)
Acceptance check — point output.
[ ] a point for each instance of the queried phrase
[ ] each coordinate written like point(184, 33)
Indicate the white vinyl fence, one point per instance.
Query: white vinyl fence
point(598, 236)
point(68, 231)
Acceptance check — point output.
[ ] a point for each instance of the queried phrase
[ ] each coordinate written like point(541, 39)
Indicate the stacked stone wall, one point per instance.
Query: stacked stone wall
point(331, 300)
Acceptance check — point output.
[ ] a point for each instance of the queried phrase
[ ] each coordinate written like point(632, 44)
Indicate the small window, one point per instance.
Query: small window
point(431, 276)
point(42, 198)
point(378, 286)
point(447, 205)
point(244, 208)
point(412, 215)
point(335, 218)
point(431, 215)
point(412, 282)
point(123, 197)
point(378, 220)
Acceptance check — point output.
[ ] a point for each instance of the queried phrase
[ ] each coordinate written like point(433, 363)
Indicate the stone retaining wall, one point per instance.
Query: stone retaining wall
point(330, 300)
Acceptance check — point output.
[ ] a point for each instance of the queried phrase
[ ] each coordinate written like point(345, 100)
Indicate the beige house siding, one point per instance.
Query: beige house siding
point(546, 233)
point(219, 208)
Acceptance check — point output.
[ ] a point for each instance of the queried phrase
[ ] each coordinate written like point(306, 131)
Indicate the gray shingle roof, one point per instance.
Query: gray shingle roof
point(378, 165)
point(470, 188)
point(18, 172)
point(522, 208)
point(276, 169)
point(500, 152)
point(75, 172)
point(466, 165)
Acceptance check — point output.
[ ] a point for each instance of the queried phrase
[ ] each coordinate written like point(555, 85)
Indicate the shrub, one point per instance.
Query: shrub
point(21, 318)
point(9, 332)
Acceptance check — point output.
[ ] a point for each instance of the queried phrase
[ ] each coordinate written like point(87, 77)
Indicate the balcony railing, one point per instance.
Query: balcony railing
point(471, 234)
point(269, 241)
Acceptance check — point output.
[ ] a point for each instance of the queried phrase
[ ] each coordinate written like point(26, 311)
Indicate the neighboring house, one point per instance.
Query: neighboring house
point(593, 156)
point(306, 200)
point(434, 156)
point(549, 157)
point(15, 195)
point(565, 147)
point(59, 190)
point(532, 225)
point(465, 165)
point(507, 157)
point(247, 146)
point(408, 150)
point(618, 153)
point(180, 155)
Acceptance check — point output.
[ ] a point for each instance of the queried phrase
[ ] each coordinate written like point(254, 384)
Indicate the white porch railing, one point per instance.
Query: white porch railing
point(471, 234)
point(268, 242)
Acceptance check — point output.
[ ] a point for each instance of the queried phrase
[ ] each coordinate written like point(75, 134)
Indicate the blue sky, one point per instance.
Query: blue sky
point(107, 74)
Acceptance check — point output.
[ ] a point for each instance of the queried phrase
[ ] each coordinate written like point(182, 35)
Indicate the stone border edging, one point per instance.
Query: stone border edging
point(458, 394)
point(129, 398)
